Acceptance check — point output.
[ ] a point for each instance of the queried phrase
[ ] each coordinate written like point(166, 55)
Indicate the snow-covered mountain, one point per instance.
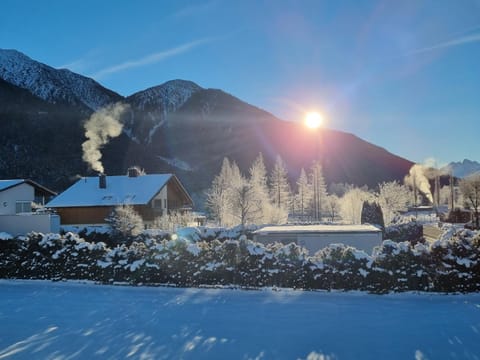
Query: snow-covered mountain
point(168, 97)
point(151, 107)
point(463, 168)
point(56, 86)
point(174, 127)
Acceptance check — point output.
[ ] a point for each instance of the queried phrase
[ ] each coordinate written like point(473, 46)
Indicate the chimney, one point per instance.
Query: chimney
point(102, 181)
point(133, 172)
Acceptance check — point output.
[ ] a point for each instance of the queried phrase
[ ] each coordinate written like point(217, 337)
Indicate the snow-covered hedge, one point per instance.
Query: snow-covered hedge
point(448, 265)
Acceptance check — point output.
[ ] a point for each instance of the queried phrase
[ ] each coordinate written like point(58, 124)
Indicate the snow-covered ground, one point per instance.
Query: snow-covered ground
point(44, 320)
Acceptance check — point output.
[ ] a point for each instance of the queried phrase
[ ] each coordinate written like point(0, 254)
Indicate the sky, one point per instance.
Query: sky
point(404, 75)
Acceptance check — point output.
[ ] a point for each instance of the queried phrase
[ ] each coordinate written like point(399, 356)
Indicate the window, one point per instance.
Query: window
point(23, 206)
point(164, 203)
point(157, 203)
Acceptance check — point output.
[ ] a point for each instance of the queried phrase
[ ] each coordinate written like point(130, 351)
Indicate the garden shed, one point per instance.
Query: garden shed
point(315, 237)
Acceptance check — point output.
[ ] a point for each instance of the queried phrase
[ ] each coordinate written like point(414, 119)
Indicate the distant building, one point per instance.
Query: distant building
point(19, 200)
point(315, 237)
point(92, 199)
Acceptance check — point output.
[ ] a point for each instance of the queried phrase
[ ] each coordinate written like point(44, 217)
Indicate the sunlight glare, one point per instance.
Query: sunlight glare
point(313, 120)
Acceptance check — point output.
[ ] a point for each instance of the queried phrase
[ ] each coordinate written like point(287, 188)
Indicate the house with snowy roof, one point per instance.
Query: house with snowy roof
point(92, 199)
point(20, 203)
point(316, 237)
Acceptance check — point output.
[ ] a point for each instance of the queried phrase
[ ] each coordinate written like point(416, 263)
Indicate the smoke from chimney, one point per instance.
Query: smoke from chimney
point(102, 126)
point(417, 180)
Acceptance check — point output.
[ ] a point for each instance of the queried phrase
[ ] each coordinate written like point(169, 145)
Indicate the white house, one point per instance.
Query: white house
point(315, 237)
point(18, 197)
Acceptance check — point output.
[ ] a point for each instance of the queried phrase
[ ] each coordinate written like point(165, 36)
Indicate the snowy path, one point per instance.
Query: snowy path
point(43, 320)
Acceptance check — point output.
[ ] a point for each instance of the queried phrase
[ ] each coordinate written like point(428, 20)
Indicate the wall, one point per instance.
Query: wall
point(23, 224)
point(9, 197)
point(163, 197)
point(313, 242)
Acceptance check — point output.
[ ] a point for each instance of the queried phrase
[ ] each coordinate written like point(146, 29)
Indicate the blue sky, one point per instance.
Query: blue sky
point(404, 75)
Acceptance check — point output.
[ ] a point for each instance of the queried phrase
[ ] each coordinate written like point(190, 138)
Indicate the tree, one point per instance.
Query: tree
point(319, 190)
point(279, 186)
point(303, 198)
point(372, 214)
point(351, 205)
point(332, 207)
point(172, 221)
point(259, 187)
point(245, 203)
point(393, 197)
point(470, 189)
point(125, 222)
point(218, 196)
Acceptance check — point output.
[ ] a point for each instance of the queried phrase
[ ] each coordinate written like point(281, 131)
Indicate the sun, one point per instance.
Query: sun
point(313, 120)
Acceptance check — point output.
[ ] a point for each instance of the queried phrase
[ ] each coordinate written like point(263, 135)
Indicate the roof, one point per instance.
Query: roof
point(9, 183)
point(120, 190)
point(6, 184)
point(316, 229)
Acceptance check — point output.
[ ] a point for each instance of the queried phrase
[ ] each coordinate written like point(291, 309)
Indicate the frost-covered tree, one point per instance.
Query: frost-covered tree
point(303, 197)
point(172, 221)
point(125, 222)
point(393, 197)
point(319, 190)
point(332, 207)
point(245, 205)
point(470, 190)
point(259, 187)
point(279, 187)
point(351, 204)
point(218, 196)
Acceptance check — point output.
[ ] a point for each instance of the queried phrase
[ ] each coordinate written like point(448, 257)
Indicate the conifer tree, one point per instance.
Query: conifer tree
point(319, 190)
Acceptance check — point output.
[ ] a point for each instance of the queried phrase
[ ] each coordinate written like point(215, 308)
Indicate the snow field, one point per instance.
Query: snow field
point(45, 320)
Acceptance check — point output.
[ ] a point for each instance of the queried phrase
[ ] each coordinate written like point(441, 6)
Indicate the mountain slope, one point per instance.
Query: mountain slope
point(151, 107)
point(175, 127)
point(52, 85)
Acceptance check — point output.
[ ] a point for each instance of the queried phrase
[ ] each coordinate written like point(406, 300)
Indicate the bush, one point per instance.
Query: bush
point(451, 264)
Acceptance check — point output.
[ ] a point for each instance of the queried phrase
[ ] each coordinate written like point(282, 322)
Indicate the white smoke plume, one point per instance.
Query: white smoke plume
point(416, 179)
point(102, 126)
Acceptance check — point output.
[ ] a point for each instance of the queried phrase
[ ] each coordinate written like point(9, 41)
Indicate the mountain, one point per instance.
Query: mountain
point(174, 127)
point(462, 169)
point(53, 85)
point(152, 106)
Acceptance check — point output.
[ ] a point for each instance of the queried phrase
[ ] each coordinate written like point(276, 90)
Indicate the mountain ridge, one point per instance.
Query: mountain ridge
point(176, 126)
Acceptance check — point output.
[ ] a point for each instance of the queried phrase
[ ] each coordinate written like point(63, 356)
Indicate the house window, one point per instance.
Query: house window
point(157, 203)
point(164, 203)
point(23, 207)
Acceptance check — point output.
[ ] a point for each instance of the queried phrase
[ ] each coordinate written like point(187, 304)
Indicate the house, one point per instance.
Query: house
point(19, 200)
point(92, 199)
point(315, 237)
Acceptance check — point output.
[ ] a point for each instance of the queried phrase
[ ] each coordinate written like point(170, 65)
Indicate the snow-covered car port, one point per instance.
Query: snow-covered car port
point(315, 237)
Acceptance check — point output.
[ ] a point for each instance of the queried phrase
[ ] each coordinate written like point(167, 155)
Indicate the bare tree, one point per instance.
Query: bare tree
point(332, 206)
point(279, 186)
point(245, 203)
point(303, 198)
point(470, 189)
point(393, 197)
point(319, 190)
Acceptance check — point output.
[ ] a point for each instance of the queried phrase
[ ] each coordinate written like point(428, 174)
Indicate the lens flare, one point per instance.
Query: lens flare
point(313, 120)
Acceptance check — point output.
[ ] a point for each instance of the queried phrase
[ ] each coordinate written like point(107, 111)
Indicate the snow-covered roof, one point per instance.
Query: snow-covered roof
point(5, 184)
point(364, 228)
point(120, 190)
point(9, 183)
